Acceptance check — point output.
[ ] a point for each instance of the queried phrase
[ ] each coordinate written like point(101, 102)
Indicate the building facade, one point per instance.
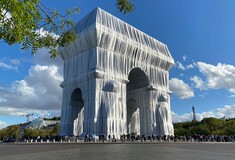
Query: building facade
point(115, 80)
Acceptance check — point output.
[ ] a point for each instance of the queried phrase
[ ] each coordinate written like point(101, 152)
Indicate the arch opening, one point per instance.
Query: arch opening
point(138, 81)
point(77, 115)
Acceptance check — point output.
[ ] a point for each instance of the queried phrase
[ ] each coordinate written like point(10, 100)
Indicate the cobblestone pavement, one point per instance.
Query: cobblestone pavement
point(122, 151)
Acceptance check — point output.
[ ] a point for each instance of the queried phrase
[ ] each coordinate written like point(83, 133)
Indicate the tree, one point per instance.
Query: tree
point(34, 25)
point(55, 131)
point(30, 132)
point(181, 131)
point(212, 123)
point(3, 134)
point(200, 129)
point(125, 6)
point(13, 131)
point(207, 126)
point(230, 127)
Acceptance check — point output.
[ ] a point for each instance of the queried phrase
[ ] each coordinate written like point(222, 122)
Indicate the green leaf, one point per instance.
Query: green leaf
point(125, 6)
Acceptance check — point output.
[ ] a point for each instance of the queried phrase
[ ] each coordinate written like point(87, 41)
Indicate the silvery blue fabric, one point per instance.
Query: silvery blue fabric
point(114, 79)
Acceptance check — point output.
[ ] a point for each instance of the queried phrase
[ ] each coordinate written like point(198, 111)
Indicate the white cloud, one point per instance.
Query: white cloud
point(198, 82)
point(13, 111)
point(3, 124)
point(189, 66)
point(226, 111)
point(43, 33)
point(39, 92)
point(181, 118)
point(15, 61)
point(182, 67)
point(43, 58)
point(232, 91)
point(7, 66)
point(180, 88)
point(2, 99)
point(219, 76)
point(203, 94)
point(22, 89)
point(185, 57)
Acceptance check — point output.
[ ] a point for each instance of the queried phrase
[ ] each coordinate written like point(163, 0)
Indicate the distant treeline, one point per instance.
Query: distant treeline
point(207, 126)
point(52, 119)
point(14, 133)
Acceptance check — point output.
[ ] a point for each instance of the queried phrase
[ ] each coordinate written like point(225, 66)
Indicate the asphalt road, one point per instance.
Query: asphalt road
point(122, 151)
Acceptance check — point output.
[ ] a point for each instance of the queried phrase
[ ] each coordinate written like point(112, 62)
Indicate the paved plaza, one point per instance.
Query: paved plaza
point(122, 151)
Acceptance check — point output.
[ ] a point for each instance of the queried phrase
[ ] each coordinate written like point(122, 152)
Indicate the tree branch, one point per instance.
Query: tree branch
point(47, 15)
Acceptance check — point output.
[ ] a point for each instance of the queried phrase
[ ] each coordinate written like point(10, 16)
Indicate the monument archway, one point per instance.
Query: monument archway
point(136, 90)
point(121, 72)
point(77, 109)
point(137, 80)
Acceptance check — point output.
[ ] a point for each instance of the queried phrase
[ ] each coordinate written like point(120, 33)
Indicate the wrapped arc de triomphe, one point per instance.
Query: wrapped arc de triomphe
point(115, 80)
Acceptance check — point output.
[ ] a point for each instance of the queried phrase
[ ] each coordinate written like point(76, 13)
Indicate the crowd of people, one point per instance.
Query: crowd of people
point(132, 137)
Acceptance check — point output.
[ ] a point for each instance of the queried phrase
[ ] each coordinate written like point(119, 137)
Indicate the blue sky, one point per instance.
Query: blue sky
point(200, 36)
